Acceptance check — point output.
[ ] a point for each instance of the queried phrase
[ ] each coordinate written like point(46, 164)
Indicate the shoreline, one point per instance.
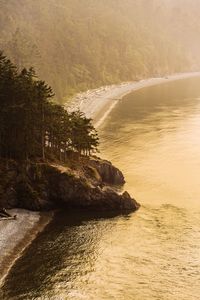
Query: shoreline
point(17, 235)
point(98, 103)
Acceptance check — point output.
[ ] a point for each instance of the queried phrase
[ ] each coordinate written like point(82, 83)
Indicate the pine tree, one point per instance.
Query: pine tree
point(31, 125)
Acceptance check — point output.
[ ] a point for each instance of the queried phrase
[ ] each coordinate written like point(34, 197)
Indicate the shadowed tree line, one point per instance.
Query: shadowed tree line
point(31, 125)
point(92, 43)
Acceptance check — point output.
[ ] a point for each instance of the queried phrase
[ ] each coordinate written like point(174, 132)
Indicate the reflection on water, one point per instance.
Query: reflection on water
point(157, 142)
point(153, 136)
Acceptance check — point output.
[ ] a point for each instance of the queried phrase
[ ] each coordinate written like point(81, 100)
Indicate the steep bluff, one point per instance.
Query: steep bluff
point(85, 183)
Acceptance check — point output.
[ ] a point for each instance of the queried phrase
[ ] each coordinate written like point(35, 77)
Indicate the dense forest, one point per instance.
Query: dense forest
point(80, 44)
point(32, 126)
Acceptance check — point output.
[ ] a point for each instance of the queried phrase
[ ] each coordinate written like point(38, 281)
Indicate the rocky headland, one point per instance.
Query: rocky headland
point(88, 183)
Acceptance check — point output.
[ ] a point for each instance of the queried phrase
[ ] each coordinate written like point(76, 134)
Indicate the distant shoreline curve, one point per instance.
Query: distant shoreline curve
point(98, 103)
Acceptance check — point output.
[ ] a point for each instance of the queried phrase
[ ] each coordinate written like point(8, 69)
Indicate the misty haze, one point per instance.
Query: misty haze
point(99, 149)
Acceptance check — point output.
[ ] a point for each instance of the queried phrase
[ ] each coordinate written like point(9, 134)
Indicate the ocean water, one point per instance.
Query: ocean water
point(153, 136)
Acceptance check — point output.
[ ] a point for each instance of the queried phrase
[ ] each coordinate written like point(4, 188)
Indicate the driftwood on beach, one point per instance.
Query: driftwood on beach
point(8, 218)
point(4, 215)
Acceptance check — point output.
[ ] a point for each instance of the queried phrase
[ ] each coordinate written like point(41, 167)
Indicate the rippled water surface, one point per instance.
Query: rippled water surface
point(153, 135)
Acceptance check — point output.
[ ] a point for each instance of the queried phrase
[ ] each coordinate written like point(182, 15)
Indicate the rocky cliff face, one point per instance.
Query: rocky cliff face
point(84, 184)
point(108, 173)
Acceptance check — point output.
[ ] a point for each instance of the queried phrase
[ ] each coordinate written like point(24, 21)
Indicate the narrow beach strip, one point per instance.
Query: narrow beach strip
point(98, 103)
point(17, 235)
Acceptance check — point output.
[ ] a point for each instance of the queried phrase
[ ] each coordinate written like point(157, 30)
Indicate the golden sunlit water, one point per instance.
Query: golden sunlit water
point(153, 136)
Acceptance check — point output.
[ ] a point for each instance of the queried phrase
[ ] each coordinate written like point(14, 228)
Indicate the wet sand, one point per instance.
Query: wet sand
point(16, 235)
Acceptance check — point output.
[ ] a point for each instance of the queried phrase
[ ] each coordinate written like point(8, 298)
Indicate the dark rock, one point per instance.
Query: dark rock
point(109, 173)
point(127, 203)
point(42, 186)
point(10, 197)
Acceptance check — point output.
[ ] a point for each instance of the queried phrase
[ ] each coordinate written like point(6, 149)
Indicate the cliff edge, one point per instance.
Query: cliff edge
point(89, 183)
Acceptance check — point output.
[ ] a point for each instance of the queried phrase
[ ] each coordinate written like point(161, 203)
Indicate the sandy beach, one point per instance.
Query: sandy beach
point(98, 103)
point(16, 235)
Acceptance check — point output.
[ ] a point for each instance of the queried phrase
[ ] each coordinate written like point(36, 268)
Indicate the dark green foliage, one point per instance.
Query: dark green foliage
point(31, 126)
point(91, 43)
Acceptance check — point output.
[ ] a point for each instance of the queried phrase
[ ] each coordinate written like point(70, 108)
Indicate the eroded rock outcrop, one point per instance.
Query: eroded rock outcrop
point(84, 184)
point(109, 173)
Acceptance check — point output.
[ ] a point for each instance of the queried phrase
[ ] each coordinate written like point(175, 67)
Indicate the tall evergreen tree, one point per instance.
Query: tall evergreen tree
point(31, 125)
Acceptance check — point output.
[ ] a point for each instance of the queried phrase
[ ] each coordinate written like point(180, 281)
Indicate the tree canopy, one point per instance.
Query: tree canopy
point(31, 125)
point(81, 44)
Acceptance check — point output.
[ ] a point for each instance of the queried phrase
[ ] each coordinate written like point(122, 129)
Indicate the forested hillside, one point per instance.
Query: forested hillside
point(31, 126)
point(79, 44)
